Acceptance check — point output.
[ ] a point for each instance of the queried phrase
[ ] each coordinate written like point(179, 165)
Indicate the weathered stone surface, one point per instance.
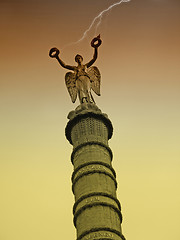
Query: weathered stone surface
point(88, 121)
point(97, 211)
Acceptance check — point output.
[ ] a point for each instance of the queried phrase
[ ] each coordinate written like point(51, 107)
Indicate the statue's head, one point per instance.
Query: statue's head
point(78, 58)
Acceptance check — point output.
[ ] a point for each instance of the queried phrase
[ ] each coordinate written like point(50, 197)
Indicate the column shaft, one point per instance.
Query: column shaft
point(97, 211)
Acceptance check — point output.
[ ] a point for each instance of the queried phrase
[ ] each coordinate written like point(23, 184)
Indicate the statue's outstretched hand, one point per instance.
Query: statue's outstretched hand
point(96, 42)
point(54, 53)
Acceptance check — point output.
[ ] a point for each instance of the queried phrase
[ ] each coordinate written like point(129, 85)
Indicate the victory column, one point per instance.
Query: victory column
point(97, 211)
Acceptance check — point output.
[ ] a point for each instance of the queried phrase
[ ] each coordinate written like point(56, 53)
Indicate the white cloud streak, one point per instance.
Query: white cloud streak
point(97, 20)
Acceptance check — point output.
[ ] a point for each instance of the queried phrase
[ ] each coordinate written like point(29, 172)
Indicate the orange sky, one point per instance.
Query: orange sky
point(139, 63)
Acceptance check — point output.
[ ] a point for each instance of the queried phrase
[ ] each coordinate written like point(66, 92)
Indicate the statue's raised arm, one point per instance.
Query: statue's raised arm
point(54, 53)
point(84, 77)
point(95, 43)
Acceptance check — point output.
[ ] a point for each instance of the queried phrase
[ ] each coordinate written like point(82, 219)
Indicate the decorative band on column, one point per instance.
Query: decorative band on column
point(93, 230)
point(96, 194)
point(92, 172)
point(93, 163)
point(91, 143)
point(104, 239)
point(95, 204)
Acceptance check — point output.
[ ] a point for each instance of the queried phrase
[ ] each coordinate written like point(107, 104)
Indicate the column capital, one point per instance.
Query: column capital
point(84, 111)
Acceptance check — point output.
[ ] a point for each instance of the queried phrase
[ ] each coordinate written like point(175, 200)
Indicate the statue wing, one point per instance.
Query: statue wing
point(70, 81)
point(95, 78)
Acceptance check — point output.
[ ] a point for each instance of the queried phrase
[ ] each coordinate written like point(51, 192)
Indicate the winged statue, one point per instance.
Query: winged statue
point(84, 77)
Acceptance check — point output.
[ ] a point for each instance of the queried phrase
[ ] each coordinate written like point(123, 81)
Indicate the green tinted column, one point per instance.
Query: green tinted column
point(97, 211)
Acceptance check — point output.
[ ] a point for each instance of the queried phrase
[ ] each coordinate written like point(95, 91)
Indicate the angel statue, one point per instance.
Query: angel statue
point(84, 77)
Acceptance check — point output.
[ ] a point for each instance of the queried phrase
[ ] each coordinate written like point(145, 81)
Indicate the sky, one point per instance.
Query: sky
point(139, 61)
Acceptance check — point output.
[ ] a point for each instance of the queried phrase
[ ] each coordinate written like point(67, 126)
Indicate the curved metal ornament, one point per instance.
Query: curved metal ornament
point(95, 78)
point(70, 80)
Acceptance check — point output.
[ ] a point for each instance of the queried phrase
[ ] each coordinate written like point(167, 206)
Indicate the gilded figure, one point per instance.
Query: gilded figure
point(83, 77)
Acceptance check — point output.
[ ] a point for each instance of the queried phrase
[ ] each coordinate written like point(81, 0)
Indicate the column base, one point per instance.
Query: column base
point(100, 234)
